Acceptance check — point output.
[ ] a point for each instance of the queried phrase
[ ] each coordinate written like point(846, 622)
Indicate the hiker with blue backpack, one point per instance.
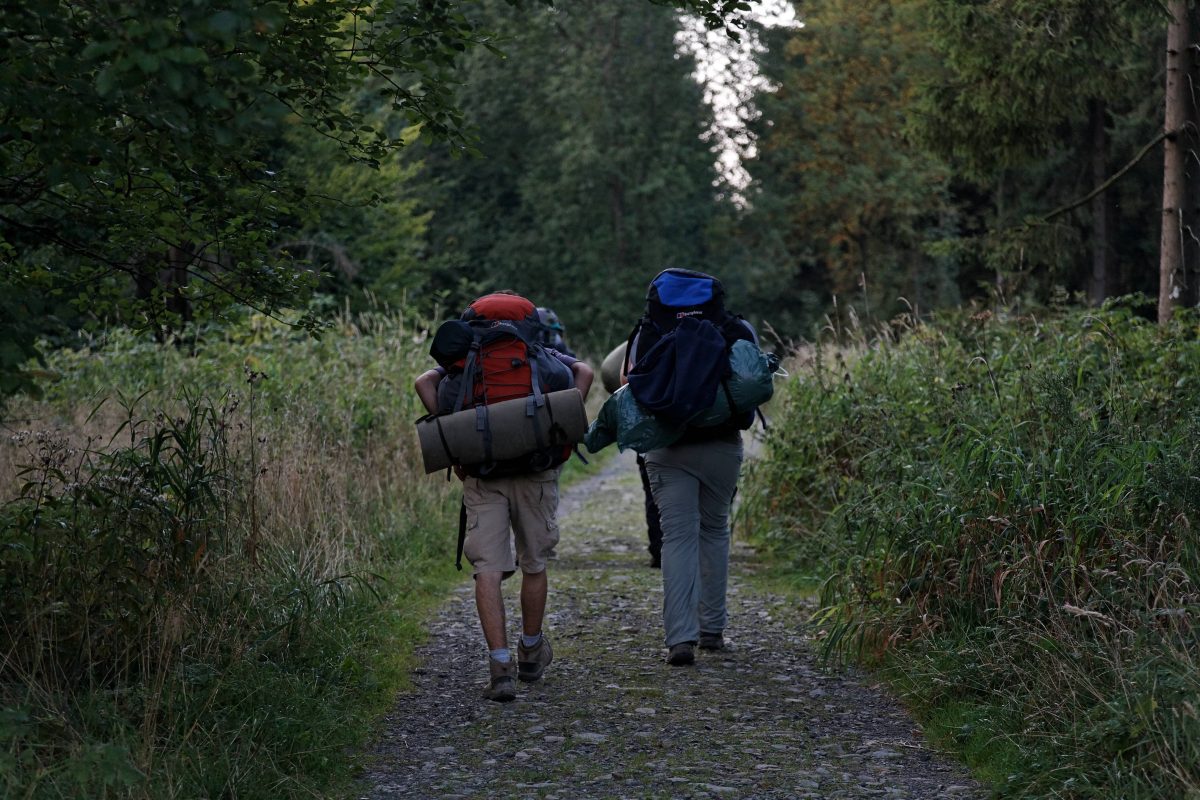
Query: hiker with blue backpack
point(679, 369)
point(489, 361)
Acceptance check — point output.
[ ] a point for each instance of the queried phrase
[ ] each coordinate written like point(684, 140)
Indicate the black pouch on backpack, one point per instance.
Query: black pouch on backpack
point(451, 342)
point(676, 300)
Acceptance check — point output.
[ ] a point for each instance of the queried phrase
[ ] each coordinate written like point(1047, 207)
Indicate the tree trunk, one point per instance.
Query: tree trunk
point(1101, 236)
point(179, 259)
point(1189, 142)
point(1171, 276)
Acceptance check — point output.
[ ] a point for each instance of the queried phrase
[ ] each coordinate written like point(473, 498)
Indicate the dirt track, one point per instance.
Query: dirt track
point(612, 720)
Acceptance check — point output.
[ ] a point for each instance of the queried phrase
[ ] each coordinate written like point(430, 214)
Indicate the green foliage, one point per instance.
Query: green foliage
point(909, 154)
point(158, 162)
point(1016, 71)
point(361, 227)
point(843, 203)
point(1003, 511)
point(593, 177)
point(217, 598)
point(20, 315)
point(1030, 97)
point(128, 528)
point(135, 128)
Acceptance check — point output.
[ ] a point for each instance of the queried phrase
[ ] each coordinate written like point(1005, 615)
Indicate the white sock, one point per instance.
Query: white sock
point(530, 641)
point(502, 655)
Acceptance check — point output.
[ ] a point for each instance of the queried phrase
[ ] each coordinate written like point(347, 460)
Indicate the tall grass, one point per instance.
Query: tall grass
point(1003, 510)
point(211, 564)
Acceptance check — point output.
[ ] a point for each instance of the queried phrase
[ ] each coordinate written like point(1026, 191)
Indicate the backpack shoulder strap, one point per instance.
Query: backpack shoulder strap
point(646, 333)
point(637, 327)
point(470, 365)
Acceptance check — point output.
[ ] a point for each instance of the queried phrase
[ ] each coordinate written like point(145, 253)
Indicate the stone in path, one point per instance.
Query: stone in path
point(611, 719)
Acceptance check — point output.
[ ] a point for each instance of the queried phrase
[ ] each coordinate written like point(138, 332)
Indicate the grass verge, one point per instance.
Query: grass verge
point(1002, 509)
point(214, 566)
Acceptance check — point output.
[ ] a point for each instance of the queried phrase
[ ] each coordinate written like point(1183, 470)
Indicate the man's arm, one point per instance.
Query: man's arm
point(426, 386)
point(583, 377)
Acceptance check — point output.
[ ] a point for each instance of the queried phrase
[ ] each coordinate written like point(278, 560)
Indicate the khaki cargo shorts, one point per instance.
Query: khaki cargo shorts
point(501, 512)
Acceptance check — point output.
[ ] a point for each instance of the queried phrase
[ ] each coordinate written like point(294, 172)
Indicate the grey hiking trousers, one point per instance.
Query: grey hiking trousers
point(693, 486)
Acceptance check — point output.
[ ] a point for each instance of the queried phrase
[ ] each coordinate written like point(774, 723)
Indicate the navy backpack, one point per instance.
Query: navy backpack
point(682, 345)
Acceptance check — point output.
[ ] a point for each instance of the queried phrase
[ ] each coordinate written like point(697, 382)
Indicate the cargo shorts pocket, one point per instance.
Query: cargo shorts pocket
point(537, 523)
point(488, 546)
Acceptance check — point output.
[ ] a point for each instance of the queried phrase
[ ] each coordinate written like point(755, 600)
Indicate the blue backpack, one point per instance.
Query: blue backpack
point(683, 343)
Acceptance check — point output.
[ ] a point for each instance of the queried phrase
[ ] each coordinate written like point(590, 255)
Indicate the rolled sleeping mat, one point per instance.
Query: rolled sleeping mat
point(610, 369)
point(449, 439)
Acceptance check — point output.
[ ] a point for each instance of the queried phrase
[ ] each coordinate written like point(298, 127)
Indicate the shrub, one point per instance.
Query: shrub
point(202, 585)
point(1003, 510)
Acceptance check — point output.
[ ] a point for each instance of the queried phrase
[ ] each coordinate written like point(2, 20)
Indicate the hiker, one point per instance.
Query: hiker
point(654, 534)
point(610, 373)
point(509, 508)
point(693, 480)
point(551, 331)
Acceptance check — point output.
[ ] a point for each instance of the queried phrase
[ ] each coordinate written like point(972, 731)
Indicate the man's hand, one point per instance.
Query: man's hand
point(583, 377)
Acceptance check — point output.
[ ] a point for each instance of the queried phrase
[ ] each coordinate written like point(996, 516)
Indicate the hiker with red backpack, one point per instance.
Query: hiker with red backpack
point(509, 511)
point(677, 364)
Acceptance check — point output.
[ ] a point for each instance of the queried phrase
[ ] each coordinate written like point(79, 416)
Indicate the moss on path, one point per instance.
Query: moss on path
point(612, 720)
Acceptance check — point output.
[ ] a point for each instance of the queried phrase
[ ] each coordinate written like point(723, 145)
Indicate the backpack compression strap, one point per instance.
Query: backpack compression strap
point(462, 533)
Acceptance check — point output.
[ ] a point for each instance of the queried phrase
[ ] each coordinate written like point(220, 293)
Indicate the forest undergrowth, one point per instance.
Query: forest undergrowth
point(1000, 509)
point(213, 566)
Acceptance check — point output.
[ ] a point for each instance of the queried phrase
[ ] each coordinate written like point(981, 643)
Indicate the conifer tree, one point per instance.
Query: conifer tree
point(593, 175)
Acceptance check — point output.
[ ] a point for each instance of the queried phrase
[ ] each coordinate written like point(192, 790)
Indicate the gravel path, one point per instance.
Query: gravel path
point(611, 719)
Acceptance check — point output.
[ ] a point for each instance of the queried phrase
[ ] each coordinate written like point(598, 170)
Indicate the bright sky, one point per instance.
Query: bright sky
point(730, 78)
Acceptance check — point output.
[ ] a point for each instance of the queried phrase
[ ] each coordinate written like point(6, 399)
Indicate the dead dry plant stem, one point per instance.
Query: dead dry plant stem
point(251, 547)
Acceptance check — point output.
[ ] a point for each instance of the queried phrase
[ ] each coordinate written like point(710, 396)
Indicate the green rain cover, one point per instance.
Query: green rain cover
point(623, 420)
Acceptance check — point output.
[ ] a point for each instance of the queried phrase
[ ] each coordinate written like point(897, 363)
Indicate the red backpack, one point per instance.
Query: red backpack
point(491, 354)
point(504, 326)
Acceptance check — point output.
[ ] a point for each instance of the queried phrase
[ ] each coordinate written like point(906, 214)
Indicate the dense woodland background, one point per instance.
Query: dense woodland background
point(226, 230)
point(167, 164)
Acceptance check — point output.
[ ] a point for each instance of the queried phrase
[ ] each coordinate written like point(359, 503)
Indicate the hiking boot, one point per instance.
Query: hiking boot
point(712, 641)
point(681, 654)
point(501, 687)
point(532, 661)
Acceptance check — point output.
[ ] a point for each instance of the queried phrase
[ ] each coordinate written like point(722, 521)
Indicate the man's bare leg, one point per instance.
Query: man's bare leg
point(533, 601)
point(490, 605)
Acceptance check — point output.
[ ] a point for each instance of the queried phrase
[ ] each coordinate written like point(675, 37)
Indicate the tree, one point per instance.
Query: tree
point(139, 137)
point(361, 228)
point(1172, 282)
point(592, 179)
point(142, 177)
point(1035, 98)
point(842, 203)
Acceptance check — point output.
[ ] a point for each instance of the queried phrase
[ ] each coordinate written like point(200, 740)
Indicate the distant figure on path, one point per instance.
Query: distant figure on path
point(551, 331)
point(612, 381)
point(694, 480)
point(510, 509)
point(654, 534)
